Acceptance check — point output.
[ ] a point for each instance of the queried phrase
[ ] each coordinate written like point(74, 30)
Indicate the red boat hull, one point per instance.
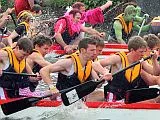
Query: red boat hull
point(108, 49)
point(48, 103)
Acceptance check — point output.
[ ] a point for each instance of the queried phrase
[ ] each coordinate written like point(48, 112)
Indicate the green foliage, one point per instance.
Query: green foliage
point(63, 3)
point(57, 3)
point(3, 2)
point(6, 4)
point(89, 3)
point(94, 3)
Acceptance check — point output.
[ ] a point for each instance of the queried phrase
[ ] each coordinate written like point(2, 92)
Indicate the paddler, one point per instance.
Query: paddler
point(153, 43)
point(129, 79)
point(14, 60)
point(92, 16)
point(74, 70)
point(36, 61)
point(21, 30)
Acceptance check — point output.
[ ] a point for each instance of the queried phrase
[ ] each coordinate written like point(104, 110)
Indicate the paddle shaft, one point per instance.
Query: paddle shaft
point(144, 20)
point(58, 56)
point(20, 74)
point(13, 20)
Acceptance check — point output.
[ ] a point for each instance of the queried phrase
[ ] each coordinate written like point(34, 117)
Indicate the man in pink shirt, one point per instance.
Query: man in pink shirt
point(68, 28)
point(92, 16)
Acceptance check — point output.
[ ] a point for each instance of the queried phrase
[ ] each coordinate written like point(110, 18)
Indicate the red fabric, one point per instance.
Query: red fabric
point(55, 47)
point(93, 16)
point(21, 5)
point(60, 26)
point(57, 26)
point(153, 106)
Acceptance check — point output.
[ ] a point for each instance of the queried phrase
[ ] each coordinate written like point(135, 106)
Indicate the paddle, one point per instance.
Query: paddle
point(58, 56)
point(20, 74)
point(77, 92)
point(136, 95)
point(13, 20)
point(24, 103)
point(21, 104)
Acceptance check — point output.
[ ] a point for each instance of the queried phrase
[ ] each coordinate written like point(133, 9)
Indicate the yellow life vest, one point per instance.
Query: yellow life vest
point(26, 25)
point(18, 66)
point(126, 28)
point(156, 19)
point(34, 50)
point(132, 73)
point(77, 52)
point(22, 13)
point(83, 73)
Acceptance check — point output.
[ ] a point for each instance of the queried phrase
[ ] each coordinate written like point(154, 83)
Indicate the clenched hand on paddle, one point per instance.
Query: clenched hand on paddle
point(68, 96)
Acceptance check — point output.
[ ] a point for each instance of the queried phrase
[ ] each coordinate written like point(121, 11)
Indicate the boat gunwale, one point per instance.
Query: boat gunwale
point(49, 103)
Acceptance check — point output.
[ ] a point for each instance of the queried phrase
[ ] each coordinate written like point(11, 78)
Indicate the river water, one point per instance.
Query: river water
point(74, 113)
point(79, 111)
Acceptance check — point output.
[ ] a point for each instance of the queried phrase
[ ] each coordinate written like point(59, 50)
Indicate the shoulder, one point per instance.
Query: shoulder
point(3, 54)
point(117, 23)
point(34, 55)
point(63, 62)
point(67, 62)
point(112, 59)
point(61, 20)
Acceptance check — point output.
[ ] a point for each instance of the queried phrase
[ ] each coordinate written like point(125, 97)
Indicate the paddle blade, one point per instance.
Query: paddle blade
point(136, 95)
point(75, 93)
point(18, 105)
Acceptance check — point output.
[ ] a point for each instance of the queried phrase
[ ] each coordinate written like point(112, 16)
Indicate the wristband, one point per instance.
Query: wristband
point(52, 87)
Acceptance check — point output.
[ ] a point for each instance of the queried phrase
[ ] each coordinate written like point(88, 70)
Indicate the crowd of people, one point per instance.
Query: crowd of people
point(24, 50)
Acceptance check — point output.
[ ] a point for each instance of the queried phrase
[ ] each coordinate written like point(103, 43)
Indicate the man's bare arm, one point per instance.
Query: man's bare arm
point(106, 5)
point(111, 60)
point(118, 31)
point(91, 31)
point(150, 79)
point(28, 69)
point(59, 66)
point(59, 39)
point(36, 58)
point(31, 3)
point(10, 38)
